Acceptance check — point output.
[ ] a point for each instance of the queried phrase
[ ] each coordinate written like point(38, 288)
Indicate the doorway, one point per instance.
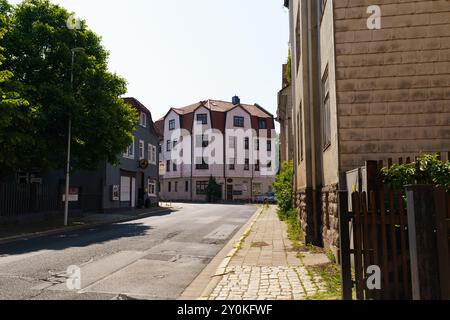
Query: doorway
point(128, 191)
point(229, 192)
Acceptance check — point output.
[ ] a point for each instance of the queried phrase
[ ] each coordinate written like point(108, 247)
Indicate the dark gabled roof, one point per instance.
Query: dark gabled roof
point(140, 107)
point(159, 127)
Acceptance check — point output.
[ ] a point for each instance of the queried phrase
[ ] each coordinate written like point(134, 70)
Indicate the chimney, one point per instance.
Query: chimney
point(235, 100)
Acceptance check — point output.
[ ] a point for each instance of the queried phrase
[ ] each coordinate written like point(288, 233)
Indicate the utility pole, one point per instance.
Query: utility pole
point(69, 139)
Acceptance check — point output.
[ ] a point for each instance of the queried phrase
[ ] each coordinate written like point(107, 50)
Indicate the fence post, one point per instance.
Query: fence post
point(422, 242)
point(344, 246)
point(442, 236)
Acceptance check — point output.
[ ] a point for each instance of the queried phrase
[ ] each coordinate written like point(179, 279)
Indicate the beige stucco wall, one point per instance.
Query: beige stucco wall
point(330, 155)
point(394, 83)
point(298, 87)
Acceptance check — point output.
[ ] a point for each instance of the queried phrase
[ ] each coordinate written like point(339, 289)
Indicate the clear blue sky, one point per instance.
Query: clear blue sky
point(178, 52)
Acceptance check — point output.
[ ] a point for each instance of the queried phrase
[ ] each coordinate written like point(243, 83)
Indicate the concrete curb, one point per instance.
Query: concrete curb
point(33, 235)
point(202, 286)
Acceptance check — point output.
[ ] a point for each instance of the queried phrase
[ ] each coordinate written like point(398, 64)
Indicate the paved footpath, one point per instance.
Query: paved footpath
point(266, 266)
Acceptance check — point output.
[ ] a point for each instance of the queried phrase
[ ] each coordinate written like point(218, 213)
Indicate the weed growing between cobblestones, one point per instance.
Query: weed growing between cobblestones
point(331, 277)
point(331, 256)
point(294, 227)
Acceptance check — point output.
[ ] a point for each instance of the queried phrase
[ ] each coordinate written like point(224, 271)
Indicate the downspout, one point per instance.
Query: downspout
point(224, 136)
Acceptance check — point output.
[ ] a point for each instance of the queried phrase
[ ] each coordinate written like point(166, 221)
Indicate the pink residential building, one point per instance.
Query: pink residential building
point(230, 141)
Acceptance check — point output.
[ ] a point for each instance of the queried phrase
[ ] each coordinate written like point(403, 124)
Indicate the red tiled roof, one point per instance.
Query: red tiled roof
point(223, 106)
point(218, 110)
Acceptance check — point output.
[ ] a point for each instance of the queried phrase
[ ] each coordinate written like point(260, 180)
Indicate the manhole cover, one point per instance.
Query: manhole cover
point(159, 257)
point(259, 244)
point(124, 297)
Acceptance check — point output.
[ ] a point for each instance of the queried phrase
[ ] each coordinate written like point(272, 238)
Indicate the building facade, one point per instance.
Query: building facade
point(129, 185)
point(370, 81)
point(230, 134)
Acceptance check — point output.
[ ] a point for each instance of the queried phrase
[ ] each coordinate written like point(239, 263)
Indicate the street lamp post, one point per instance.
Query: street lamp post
point(69, 139)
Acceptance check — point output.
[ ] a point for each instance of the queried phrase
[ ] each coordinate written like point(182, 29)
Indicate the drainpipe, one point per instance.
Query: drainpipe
point(192, 166)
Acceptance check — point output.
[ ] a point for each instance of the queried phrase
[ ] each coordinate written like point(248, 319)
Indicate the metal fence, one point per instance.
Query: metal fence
point(22, 199)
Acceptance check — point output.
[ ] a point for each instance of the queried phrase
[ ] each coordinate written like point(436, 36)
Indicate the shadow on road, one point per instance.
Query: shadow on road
point(78, 238)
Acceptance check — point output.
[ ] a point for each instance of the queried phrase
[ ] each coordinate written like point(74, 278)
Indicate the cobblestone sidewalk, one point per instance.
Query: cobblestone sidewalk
point(266, 266)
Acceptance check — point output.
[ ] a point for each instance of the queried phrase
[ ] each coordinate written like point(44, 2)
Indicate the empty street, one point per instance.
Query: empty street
point(150, 258)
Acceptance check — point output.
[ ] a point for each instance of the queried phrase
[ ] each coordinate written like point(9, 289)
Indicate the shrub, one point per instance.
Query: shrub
point(213, 190)
point(283, 187)
point(427, 169)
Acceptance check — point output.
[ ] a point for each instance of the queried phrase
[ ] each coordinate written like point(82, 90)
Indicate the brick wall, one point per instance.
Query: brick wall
point(393, 84)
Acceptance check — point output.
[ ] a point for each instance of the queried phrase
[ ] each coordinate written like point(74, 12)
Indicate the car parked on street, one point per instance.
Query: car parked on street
point(268, 197)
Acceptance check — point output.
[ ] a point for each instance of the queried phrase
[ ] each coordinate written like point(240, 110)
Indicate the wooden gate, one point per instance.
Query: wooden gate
point(378, 227)
point(442, 202)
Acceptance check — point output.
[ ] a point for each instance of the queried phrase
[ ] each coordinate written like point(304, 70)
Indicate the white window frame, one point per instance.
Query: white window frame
point(151, 183)
point(127, 153)
point(154, 154)
point(172, 124)
point(141, 149)
point(143, 119)
point(151, 153)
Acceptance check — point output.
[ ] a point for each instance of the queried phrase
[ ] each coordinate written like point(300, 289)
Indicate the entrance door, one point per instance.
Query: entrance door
point(125, 189)
point(229, 192)
point(133, 192)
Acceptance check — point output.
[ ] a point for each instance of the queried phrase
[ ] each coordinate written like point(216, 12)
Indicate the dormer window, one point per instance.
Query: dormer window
point(202, 118)
point(143, 119)
point(262, 124)
point(171, 124)
point(238, 121)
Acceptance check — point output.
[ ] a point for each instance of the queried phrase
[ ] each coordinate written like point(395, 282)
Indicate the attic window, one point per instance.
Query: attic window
point(238, 121)
point(171, 124)
point(143, 119)
point(262, 124)
point(202, 118)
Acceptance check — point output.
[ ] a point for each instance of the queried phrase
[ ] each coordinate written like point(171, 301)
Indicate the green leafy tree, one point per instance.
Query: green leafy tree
point(13, 109)
point(38, 51)
point(427, 169)
point(283, 186)
point(213, 190)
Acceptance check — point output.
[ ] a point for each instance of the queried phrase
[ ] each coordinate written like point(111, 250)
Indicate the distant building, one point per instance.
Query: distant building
point(368, 83)
point(284, 117)
point(242, 133)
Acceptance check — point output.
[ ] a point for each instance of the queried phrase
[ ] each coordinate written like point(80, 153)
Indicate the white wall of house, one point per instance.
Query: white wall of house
point(246, 183)
point(215, 170)
point(239, 153)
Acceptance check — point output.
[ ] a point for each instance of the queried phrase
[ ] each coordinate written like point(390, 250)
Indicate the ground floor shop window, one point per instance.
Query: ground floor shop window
point(201, 187)
point(257, 188)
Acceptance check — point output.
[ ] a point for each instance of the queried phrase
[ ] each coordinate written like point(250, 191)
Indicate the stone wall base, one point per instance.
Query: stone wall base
point(328, 220)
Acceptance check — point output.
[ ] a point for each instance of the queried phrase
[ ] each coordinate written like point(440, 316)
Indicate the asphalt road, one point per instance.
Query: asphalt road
point(151, 258)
